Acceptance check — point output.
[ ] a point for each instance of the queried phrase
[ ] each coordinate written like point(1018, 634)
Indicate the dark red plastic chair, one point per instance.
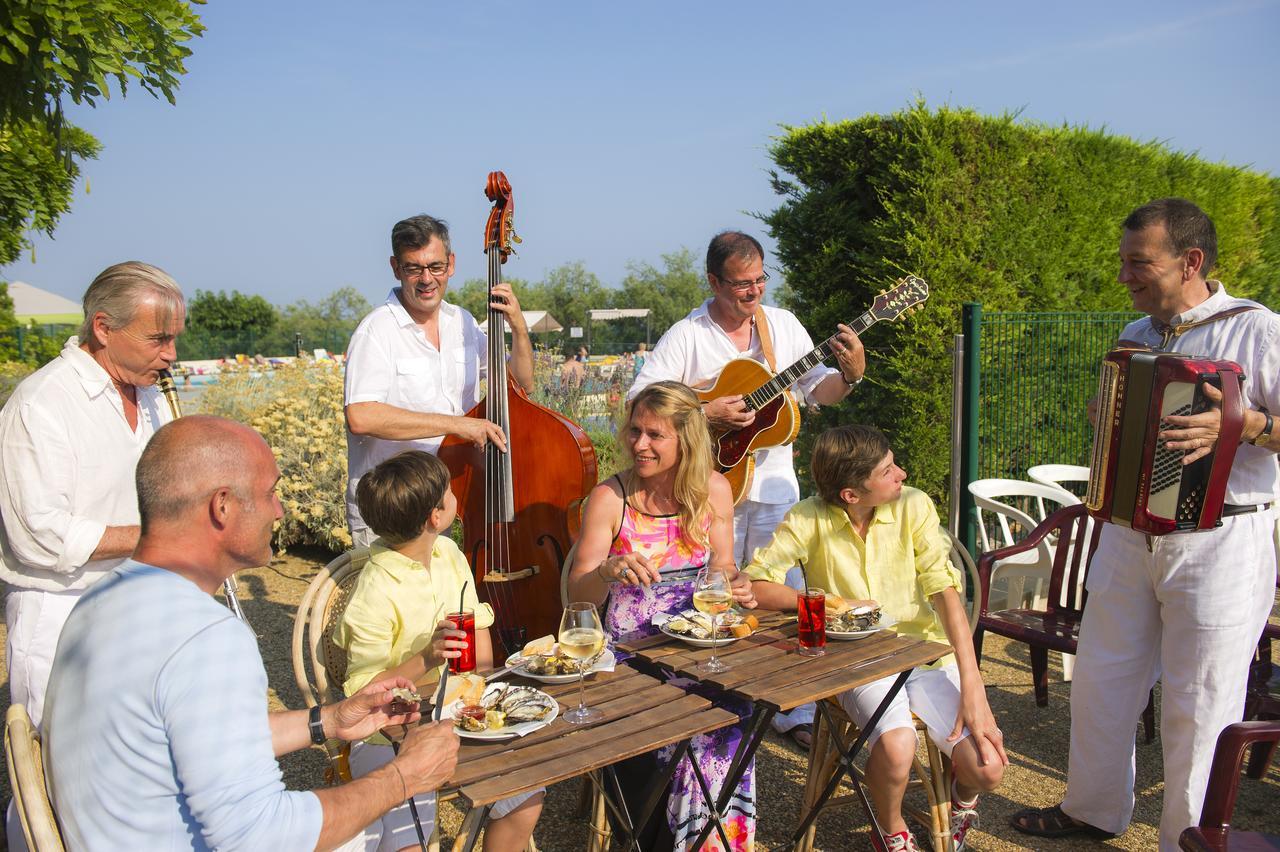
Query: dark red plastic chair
point(1056, 628)
point(1215, 831)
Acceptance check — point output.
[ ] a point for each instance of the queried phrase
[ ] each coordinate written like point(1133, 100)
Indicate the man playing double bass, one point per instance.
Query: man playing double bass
point(415, 363)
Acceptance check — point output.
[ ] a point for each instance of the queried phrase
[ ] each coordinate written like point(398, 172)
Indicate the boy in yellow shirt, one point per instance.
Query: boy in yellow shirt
point(394, 624)
point(868, 539)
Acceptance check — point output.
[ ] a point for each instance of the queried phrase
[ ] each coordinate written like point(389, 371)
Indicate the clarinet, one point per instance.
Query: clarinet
point(166, 386)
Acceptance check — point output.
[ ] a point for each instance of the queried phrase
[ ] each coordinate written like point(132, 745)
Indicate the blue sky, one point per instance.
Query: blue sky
point(303, 131)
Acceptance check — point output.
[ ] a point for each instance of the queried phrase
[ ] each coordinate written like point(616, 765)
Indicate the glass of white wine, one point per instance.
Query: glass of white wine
point(582, 638)
point(711, 595)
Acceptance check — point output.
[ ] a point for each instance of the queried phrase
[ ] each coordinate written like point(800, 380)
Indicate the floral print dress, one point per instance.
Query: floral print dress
point(629, 613)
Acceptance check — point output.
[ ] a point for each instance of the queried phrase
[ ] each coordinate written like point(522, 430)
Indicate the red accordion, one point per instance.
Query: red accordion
point(1133, 480)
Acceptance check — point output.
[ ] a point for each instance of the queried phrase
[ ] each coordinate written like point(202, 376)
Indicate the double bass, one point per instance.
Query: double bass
point(516, 507)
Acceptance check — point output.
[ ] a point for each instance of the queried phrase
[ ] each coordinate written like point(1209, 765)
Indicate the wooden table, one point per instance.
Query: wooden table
point(766, 670)
point(641, 714)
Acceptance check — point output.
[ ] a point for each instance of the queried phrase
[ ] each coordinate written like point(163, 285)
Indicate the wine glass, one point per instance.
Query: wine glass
point(582, 638)
point(711, 595)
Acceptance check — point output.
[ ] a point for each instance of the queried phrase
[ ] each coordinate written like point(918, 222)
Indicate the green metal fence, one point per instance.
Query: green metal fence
point(1029, 377)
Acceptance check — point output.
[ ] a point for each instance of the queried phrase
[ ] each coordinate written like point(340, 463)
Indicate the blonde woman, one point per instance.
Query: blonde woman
point(644, 529)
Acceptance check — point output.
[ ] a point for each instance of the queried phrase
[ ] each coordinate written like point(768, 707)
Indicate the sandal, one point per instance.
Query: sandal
point(801, 735)
point(1054, 822)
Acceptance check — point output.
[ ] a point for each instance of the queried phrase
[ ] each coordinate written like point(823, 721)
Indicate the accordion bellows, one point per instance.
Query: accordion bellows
point(1134, 480)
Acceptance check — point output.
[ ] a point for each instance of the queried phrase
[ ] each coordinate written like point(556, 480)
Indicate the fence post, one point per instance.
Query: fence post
point(972, 328)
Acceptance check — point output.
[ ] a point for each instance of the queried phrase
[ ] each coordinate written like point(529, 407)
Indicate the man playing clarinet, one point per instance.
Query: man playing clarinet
point(1186, 608)
point(70, 438)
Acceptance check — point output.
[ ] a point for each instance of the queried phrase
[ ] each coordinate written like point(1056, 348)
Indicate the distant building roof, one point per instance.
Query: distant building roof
point(42, 306)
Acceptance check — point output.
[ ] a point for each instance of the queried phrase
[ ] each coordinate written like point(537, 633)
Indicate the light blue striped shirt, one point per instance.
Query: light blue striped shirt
point(156, 729)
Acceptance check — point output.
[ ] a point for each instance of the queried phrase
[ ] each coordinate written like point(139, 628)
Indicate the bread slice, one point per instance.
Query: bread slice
point(540, 647)
point(836, 605)
point(467, 688)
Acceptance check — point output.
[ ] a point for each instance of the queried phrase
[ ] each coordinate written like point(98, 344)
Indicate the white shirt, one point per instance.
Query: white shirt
point(67, 463)
point(1252, 340)
point(156, 728)
point(390, 360)
point(695, 350)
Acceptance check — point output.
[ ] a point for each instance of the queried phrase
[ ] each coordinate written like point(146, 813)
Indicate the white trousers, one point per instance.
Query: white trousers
point(34, 619)
point(1190, 611)
point(33, 622)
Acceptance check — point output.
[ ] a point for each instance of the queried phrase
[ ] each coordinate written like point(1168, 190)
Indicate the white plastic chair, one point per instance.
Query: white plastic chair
point(1002, 498)
point(1056, 475)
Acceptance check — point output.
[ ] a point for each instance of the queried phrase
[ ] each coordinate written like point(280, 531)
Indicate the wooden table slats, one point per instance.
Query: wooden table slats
point(594, 750)
point(561, 738)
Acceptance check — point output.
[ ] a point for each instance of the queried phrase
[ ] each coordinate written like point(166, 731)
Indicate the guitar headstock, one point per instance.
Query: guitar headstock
point(499, 230)
point(891, 304)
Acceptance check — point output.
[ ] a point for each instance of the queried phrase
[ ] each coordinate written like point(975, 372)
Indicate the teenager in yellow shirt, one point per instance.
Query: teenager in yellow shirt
point(394, 624)
point(868, 539)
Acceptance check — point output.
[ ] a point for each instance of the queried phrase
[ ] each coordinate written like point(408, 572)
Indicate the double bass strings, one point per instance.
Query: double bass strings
point(497, 473)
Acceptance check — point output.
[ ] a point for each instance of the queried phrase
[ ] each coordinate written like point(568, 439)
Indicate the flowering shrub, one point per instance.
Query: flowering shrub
point(298, 410)
point(11, 374)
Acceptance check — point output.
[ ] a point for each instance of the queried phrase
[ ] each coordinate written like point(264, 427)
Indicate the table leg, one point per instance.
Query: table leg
point(846, 762)
point(475, 820)
point(757, 727)
point(615, 800)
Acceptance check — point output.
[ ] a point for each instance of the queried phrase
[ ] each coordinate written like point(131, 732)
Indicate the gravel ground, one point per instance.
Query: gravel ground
point(1036, 741)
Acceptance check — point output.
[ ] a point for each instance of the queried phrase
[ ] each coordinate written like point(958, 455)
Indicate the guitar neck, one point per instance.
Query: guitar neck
point(773, 388)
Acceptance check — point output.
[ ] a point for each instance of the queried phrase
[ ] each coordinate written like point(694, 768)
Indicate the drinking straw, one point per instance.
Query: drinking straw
point(804, 578)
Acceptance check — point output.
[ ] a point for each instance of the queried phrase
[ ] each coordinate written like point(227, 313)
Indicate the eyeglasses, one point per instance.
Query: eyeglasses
point(743, 286)
point(413, 270)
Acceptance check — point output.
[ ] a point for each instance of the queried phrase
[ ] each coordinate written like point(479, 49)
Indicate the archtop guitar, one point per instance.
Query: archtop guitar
point(777, 414)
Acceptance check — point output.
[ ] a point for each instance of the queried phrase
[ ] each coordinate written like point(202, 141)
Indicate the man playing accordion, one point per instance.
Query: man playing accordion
point(1188, 607)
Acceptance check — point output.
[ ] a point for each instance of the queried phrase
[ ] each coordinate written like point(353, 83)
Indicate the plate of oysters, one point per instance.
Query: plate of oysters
point(542, 660)
point(694, 627)
point(854, 622)
point(503, 710)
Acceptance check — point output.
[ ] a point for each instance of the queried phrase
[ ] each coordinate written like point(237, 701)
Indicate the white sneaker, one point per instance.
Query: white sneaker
point(964, 816)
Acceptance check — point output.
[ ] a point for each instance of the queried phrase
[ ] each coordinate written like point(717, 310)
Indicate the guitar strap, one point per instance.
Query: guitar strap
point(766, 341)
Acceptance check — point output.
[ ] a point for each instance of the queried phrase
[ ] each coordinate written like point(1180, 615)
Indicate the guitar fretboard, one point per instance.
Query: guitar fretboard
point(771, 389)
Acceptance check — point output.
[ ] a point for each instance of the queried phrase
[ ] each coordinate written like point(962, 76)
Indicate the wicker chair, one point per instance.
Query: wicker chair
point(28, 783)
point(319, 665)
point(932, 777)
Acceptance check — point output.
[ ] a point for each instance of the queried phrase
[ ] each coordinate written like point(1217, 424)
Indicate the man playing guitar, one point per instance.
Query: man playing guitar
point(697, 348)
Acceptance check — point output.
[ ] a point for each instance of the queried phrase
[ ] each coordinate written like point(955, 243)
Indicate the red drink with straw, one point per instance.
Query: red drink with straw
point(811, 605)
point(466, 622)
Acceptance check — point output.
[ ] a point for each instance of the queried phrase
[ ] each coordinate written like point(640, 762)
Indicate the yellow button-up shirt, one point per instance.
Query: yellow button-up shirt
point(396, 606)
point(901, 564)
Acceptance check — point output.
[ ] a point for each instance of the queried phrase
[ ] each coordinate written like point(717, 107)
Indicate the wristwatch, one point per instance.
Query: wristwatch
point(316, 726)
point(1266, 430)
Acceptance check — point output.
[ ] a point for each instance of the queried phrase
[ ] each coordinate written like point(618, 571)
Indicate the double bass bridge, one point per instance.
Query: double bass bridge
point(495, 576)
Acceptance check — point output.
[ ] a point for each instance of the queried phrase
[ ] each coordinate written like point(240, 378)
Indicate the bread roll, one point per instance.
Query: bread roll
point(539, 647)
point(836, 605)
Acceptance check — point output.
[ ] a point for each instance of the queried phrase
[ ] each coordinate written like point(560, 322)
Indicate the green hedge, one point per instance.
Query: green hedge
point(1015, 215)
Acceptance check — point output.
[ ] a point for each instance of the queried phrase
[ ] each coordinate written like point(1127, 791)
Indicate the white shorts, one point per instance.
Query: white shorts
point(931, 694)
point(395, 829)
